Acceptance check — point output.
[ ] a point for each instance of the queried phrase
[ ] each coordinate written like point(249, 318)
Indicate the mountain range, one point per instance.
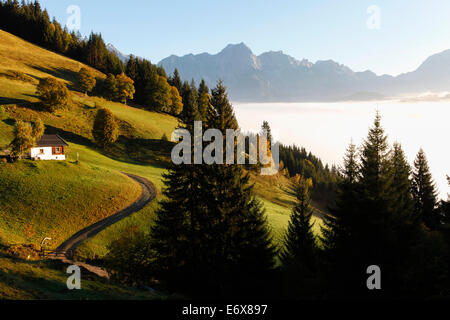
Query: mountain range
point(277, 77)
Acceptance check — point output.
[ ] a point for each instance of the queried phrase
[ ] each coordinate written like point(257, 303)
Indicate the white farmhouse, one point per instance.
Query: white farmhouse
point(49, 147)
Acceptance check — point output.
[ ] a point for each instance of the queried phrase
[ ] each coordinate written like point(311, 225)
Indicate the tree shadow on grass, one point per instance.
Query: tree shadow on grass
point(69, 136)
point(19, 102)
point(38, 287)
point(126, 150)
point(61, 73)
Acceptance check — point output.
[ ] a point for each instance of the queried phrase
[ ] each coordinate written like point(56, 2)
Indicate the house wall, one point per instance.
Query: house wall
point(46, 155)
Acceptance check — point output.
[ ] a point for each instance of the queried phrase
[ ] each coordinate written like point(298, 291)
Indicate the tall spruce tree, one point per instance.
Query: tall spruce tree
point(175, 80)
point(334, 233)
point(424, 191)
point(210, 233)
point(190, 111)
point(444, 207)
point(366, 227)
point(204, 99)
point(401, 184)
point(266, 128)
point(300, 248)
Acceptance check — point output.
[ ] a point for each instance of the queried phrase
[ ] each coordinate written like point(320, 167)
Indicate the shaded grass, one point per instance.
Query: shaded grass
point(46, 280)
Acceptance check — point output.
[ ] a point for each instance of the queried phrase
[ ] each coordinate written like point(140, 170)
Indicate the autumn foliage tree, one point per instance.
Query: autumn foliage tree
point(86, 80)
point(125, 88)
point(106, 129)
point(53, 94)
point(176, 106)
point(25, 136)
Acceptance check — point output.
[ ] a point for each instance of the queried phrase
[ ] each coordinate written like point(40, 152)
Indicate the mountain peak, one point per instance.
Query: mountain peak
point(237, 48)
point(123, 57)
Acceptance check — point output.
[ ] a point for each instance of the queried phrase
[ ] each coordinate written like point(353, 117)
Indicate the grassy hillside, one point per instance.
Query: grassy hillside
point(61, 198)
point(57, 199)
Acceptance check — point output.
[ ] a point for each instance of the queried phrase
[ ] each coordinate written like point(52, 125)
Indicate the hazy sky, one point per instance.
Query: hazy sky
point(409, 31)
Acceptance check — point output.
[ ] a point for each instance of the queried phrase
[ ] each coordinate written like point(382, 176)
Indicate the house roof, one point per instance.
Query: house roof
point(51, 140)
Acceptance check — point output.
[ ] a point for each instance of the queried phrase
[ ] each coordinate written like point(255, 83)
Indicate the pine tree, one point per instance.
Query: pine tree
point(190, 106)
point(110, 88)
point(211, 234)
point(403, 203)
point(366, 226)
point(444, 207)
point(424, 191)
point(175, 80)
point(300, 249)
point(204, 99)
point(335, 235)
point(375, 169)
point(266, 128)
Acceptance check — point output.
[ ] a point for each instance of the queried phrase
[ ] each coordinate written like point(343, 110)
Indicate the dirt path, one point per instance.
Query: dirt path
point(148, 194)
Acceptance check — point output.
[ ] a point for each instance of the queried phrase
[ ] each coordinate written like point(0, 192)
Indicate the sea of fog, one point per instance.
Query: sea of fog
point(326, 129)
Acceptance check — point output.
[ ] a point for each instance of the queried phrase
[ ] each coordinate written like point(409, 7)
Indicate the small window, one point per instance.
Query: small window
point(41, 151)
point(57, 150)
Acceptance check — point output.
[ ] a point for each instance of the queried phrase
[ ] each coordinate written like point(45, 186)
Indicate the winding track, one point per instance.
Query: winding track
point(148, 194)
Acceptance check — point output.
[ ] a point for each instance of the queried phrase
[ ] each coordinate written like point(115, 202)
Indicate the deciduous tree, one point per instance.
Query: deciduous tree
point(86, 80)
point(125, 88)
point(53, 94)
point(106, 129)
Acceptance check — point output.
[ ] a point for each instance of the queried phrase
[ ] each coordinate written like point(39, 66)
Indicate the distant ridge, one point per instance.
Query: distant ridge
point(275, 76)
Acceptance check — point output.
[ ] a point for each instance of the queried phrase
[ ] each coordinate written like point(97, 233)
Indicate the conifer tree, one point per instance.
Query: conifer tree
point(335, 235)
point(110, 89)
point(204, 99)
point(190, 105)
point(300, 249)
point(445, 207)
point(211, 233)
point(403, 203)
point(175, 80)
point(424, 190)
point(159, 94)
point(266, 128)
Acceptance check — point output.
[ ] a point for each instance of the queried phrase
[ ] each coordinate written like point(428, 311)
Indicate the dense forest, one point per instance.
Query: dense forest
point(298, 161)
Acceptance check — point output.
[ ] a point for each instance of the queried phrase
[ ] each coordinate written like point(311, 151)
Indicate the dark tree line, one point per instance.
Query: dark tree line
point(381, 218)
point(298, 161)
point(30, 22)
